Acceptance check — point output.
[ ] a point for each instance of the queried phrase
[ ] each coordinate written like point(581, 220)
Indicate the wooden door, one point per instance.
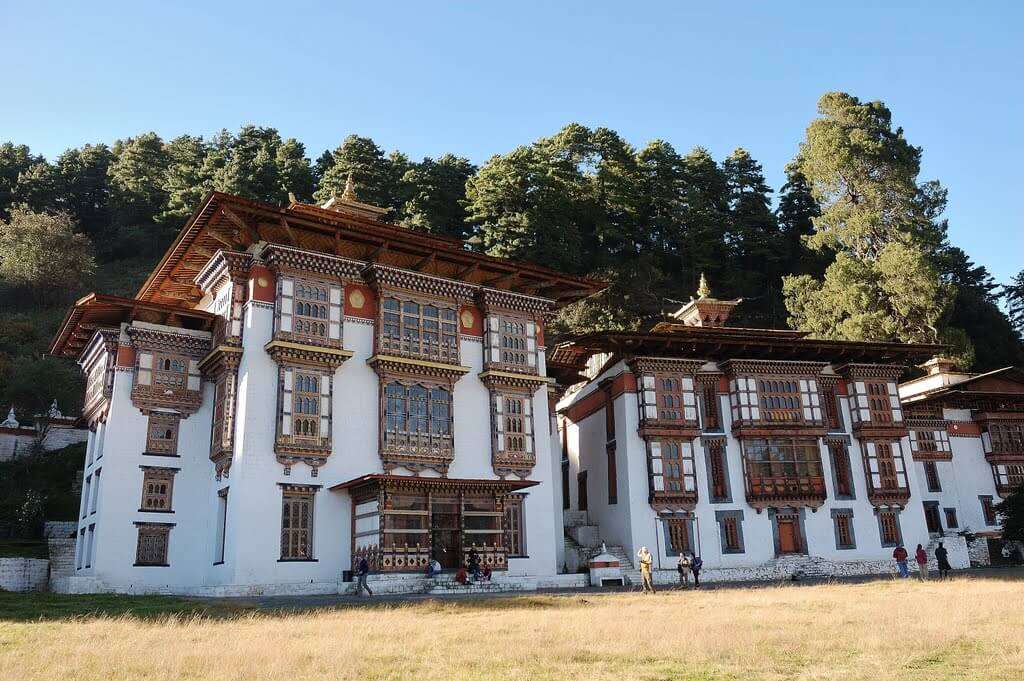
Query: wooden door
point(789, 535)
point(931, 518)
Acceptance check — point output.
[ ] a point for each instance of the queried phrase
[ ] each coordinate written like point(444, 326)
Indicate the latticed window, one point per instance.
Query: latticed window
point(421, 330)
point(416, 414)
point(1006, 437)
point(841, 468)
point(311, 309)
point(162, 434)
point(678, 531)
point(716, 460)
point(151, 548)
point(780, 399)
point(831, 409)
point(514, 424)
point(96, 380)
point(515, 527)
point(677, 467)
point(157, 488)
point(931, 475)
point(709, 401)
point(886, 466)
point(778, 463)
point(951, 521)
point(988, 510)
point(844, 530)
point(731, 533)
point(297, 525)
point(170, 371)
point(670, 398)
point(220, 390)
point(879, 404)
point(926, 441)
point(513, 342)
point(888, 523)
point(306, 406)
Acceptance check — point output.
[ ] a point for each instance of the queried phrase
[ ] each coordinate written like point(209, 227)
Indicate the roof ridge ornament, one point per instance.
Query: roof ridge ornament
point(703, 290)
point(350, 189)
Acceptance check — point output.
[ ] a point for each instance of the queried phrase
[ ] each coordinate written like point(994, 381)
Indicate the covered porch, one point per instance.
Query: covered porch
point(400, 522)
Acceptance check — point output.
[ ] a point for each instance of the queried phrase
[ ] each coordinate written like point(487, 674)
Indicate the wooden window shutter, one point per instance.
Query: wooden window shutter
point(528, 423)
point(195, 379)
point(494, 337)
point(531, 344)
point(334, 315)
point(325, 407)
point(286, 402)
point(649, 398)
point(286, 304)
point(894, 401)
point(657, 479)
point(144, 374)
point(499, 422)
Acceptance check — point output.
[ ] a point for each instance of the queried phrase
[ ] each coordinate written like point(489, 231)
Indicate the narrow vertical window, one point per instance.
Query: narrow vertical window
point(162, 435)
point(717, 471)
point(889, 528)
point(613, 476)
point(677, 531)
point(951, 521)
point(297, 524)
point(709, 403)
point(988, 510)
point(222, 526)
point(843, 521)
point(515, 526)
point(931, 475)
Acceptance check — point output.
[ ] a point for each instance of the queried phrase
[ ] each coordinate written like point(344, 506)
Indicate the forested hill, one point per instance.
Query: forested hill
point(854, 247)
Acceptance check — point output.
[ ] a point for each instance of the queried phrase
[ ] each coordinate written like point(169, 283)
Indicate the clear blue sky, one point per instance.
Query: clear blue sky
point(477, 79)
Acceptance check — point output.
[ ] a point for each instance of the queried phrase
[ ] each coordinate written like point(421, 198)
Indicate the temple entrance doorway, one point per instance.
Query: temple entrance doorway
point(446, 534)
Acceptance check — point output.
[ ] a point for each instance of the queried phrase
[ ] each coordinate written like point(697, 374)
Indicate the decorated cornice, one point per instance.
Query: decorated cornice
point(738, 367)
point(222, 358)
point(287, 352)
point(387, 365)
point(650, 365)
point(494, 300)
point(760, 429)
point(888, 498)
point(519, 464)
point(224, 266)
point(673, 502)
point(873, 431)
point(289, 454)
point(418, 458)
point(925, 424)
point(383, 277)
point(283, 258)
point(508, 379)
point(195, 344)
point(890, 372)
point(657, 430)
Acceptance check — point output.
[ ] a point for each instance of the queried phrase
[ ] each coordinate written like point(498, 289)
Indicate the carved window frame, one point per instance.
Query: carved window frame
point(162, 433)
point(289, 376)
point(1006, 437)
point(398, 409)
point(294, 322)
point(414, 326)
point(780, 399)
point(884, 465)
point(297, 523)
point(673, 465)
point(152, 544)
point(678, 535)
point(515, 525)
point(511, 342)
point(157, 489)
point(889, 531)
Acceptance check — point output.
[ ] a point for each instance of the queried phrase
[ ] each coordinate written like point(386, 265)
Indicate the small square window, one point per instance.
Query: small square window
point(162, 436)
point(157, 489)
point(152, 544)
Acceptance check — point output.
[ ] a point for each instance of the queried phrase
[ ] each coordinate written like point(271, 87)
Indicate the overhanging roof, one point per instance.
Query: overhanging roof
point(230, 222)
point(963, 388)
point(406, 480)
point(96, 311)
point(722, 343)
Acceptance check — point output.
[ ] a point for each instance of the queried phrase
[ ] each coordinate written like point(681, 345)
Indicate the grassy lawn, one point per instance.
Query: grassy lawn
point(962, 628)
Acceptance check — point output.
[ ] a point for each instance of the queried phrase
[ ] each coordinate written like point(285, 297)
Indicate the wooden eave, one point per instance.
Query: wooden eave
point(723, 343)
point(223, 221)
point(957, 390)
point(96, 311)
point(387, 479)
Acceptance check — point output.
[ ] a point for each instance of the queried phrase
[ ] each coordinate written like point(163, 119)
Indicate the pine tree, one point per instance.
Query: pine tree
point(438, 196)
point(138, 178)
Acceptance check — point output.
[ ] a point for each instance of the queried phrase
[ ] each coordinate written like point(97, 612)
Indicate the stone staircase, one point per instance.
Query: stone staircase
point(797, 567)
point(629, 573)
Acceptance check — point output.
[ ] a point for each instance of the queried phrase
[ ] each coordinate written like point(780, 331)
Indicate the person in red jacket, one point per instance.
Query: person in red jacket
point(922, 563)
point(900, 554)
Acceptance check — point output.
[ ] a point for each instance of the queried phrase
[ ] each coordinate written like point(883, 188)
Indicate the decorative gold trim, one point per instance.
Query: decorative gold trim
point(300, 353)
point(392, 363)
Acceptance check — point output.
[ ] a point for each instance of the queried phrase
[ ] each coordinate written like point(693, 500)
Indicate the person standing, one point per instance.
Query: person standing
point(362, 571)
point(683, 566)
point(696, 563)
point(900, 555)
point(646, 562)
point(922, 563)
point(942, 558)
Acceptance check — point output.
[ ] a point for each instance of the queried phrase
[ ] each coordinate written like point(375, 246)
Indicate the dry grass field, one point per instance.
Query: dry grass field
point(963, 628)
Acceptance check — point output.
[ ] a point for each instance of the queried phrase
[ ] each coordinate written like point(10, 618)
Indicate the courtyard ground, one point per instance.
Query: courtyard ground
point(966, 627)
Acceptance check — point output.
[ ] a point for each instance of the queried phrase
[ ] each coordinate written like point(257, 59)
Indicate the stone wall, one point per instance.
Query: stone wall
point(16, 442)
point(62, 557)
point(977, 550)
point(23, 574)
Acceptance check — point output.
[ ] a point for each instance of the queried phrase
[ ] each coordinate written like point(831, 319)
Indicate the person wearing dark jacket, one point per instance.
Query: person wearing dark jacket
point(921, 557)
point(362, 570)
point(942, 558)
point(695, 565)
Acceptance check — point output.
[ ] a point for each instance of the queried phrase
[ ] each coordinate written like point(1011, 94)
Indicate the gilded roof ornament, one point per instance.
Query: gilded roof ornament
point(703, 290)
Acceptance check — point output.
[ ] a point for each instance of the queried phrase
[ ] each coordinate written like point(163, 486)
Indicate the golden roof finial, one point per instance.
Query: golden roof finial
point(350, 189)
point(703, 291)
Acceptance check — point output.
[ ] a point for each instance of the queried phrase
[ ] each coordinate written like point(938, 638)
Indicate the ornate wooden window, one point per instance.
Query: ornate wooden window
point(709, 406)
point(780, 399)
point(157, 488)
point(406, 521)
point(887, 473)
point(879, 405)
point(673, 467)
point(515, 526)
point(162, 433)
point(677, 531)
point(411, 328)
point(951, 521)
point(97, 379)
point(831, 408)
point(843, 476)
point(988, 511)
point(152, 545)
point(672, 399)
point(1006, 438)
point(306, 406)
point(613, 475)
point(512, 439)
point(743, 399)
point(731, 534)
point(889, 528)
point(310, 310)
point(170, 371)
point(844, 529)
point(717, 470)
point(783, 467)
point(514, 419)
point(931, 476)
point(297, 523)
point(417, 416)
point(511, 343)
point(885, 469)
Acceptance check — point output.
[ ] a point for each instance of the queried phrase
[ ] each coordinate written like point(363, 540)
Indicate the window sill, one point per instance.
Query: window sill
point(732, 552)
point(155, 510)
point(219, 562)
point(298, 560)
point(151, 565)
point(523, 556)
point(166, 456)
point(846, 548)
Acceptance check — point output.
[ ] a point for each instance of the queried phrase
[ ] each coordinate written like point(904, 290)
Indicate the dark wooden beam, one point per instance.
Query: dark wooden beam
point(467, 271)
point(425, 262)
point(288, 230)
point(243, 226)
point(376, 253)
point(503, 279)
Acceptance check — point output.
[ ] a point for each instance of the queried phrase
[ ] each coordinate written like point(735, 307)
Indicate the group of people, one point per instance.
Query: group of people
point(472, 571)
point(687, 565)
point(901, 557)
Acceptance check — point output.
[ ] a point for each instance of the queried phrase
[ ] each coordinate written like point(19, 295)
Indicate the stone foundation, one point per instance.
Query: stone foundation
point(24, 574)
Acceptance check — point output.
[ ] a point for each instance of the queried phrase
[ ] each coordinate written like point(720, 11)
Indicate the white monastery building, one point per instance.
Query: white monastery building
point(295, 388)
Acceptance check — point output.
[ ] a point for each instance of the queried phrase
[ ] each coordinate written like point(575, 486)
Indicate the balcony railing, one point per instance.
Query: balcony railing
point(418, 348)
point(889, 495)
point(786, 487)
